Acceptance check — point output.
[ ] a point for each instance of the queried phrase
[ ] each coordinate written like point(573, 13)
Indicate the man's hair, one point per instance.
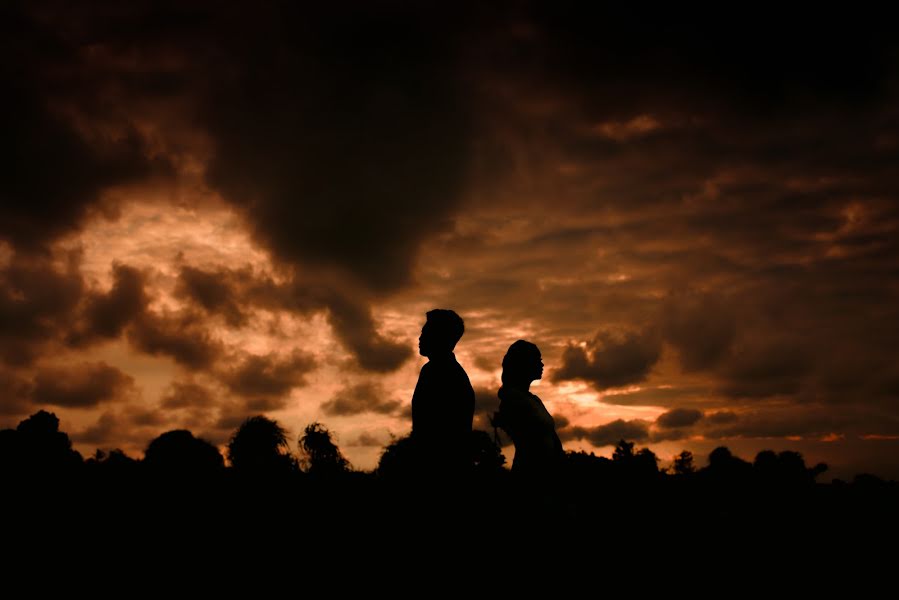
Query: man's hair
point(447, 326)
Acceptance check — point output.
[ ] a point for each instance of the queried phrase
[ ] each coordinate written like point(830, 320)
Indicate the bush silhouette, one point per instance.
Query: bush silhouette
point(259, 446)
point(36, 448)
point(178, 453)
point(321, 456)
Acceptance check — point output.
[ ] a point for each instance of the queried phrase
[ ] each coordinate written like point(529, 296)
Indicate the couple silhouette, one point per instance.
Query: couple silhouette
point(443, 404)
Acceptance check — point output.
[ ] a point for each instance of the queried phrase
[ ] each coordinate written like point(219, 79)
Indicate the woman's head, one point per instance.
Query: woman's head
point(522, 364)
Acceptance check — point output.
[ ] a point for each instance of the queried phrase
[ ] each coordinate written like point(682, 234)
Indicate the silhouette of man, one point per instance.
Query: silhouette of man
point(443, 401)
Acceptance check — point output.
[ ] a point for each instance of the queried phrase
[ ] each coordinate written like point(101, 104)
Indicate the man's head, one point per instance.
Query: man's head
point(442, 330)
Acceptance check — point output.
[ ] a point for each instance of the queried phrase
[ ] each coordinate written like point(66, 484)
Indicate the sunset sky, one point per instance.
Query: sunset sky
point(209, 213)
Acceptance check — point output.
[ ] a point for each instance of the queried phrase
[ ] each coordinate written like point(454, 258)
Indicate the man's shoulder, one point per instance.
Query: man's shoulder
point(459, 371)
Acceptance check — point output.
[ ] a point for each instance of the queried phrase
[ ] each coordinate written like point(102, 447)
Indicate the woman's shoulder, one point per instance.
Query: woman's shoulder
point(515, 397)
point(510, 393)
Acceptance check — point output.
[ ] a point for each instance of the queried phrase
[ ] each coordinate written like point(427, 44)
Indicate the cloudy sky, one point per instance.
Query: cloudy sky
point(208, 213)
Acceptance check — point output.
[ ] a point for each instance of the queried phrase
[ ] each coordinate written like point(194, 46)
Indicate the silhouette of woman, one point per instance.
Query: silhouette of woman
point(522, 415)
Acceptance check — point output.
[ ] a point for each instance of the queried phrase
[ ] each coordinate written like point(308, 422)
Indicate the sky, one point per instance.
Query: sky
point(211, 212)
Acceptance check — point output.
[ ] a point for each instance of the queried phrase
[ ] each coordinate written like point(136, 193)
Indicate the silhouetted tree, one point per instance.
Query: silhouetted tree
point(179, 453)
point(765, 462)
point(321, 456)
point(785, 468)
point(818, 469)
point(720, 457)
point(115, 460)
point(259, 446)
point(399, 460)
point(486, 455)
point(646, 462)
point(632, 467)
point(727, 469)
point(583, 462)
point(9, 450)
point(37, 447)
point(683, 464)
point(624, 451)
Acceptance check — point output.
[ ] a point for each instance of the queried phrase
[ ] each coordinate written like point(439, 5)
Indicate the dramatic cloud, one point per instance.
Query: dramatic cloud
point(361, 398)
point(266, 379)
point(181, 336)
point(725, 214)
point(675, 424)
point(51, 174)
point(721, 417)
point(37, 303)
point(611, 360)
point(106, 315)
point(232, 293)
point(14, 399)
point(679, 417)
point(107, 428)
point(702, 328)
point(187, 394)
point(611, 433)
point(80, 386)
point(369, 440)
point(767, 368)
point(354, 326)
point(214, 292)
point(363, 111)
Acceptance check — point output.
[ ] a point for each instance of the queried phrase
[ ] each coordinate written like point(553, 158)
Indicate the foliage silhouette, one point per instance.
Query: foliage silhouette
point(176, 484)
point(178, 453)
point(321, 456)
point(683, 464)
point(37, 449)
point(259, 447)
point(399, 460)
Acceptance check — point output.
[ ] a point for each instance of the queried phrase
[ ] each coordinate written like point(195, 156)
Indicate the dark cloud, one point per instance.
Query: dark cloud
point(609, 434)
point(677, 433)
point(265, 379)
point(106, 315)
point(14, 400)
point(234, 292)
point(341, 134)
point(81, 386)
point(108, 428)
point(611, 360)
point(355, 328)
point(666, 396)
point(487, 363)
point(701, 327)
point(679, 417)
point(37, 304)
point(213, 291)
point(721, 417)
point(767, 367)
point(51, 173)
point(231, 418)
point(555, 166)
point(361, 398)
point(187, 394)
point(367, 439)
point(147, 417)
point(801, 421)
point(181, 336)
